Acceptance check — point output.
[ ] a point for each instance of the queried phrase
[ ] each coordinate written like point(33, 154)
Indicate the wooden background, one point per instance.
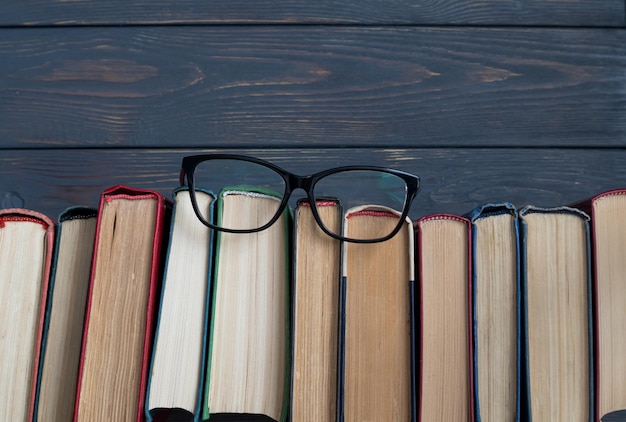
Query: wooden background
point(497, 100)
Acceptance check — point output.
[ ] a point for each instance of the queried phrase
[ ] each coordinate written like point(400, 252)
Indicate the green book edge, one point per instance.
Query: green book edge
point(206, 413)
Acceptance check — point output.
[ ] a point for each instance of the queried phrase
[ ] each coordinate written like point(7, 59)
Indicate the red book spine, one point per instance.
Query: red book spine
point(114, 192)
point(470, 316)
point(21, 214)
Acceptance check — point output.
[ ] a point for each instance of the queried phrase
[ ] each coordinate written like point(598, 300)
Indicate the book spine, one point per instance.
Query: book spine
point(526, 408)
point(21, 214)
point(163, 207)
point(485, 211)
point(418, 241)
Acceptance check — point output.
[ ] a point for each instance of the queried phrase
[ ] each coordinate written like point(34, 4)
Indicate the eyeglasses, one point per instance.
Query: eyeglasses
point(378, 188)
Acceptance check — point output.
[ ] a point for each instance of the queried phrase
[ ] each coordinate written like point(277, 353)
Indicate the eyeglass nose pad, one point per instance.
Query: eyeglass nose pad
point(300, 182)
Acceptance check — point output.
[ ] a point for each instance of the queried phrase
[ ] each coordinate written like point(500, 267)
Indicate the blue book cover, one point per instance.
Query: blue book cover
point(66, 321)
point(496, 311)
point(557, 314)
point(182, 318)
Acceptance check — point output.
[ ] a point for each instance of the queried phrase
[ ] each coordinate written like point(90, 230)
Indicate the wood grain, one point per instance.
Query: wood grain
point(453, 180)
point(305, 86)
point(495, 12)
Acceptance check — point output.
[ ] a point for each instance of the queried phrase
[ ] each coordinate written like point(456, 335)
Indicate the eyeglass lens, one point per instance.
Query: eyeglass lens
point(236, 179)
point(356, 189)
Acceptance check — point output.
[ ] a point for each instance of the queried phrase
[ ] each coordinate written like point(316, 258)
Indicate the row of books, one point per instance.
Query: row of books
point(137, 311)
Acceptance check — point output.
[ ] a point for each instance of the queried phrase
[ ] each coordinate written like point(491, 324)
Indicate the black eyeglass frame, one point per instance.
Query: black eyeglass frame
point(293, 182)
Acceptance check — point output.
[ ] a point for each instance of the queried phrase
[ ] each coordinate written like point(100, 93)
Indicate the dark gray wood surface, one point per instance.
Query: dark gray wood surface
point(518, 101)
point(206, 86)
point(453, 179)
point(485, 12)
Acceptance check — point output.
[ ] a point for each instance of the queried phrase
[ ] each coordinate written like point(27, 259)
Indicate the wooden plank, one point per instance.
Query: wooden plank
point(302, 86)
point(453, 180)
point(487, 12)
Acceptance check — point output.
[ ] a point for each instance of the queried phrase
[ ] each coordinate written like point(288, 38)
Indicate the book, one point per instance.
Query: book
point(315, 313)
point(556, 291)
point(177, 367)
point(26, 246)
point(608, 239)
point(249, 348)
point(443, 249)
point(496, 312)
point(65, 313)
point(377, 314)
point(119, 319)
